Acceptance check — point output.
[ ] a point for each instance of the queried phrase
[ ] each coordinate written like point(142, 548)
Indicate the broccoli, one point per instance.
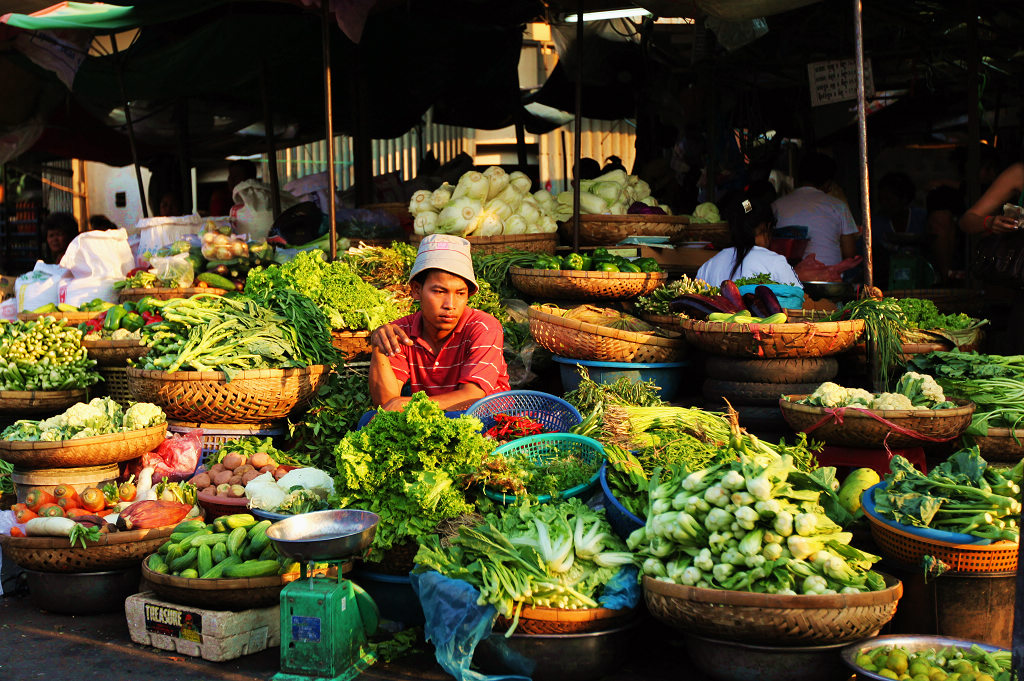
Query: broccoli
point(921, 389)
point(891, 401)
point(829, 394)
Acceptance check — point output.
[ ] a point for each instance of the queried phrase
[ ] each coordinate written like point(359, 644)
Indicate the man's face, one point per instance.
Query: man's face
point(443, 299)
point(56, 240)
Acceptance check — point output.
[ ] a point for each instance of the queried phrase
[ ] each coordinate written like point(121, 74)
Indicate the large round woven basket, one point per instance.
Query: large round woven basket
point(48, 402)
point(488, 245)
point(580, 340)
point(115, 380)
point(670, 321)
point(771, 619)
point(716, 232)
point(72, 318)
point(127, 294)
point(533, 620)
point(608, 230)
point(773, 341)
point(112, 551)
point(254, 396)
point(216, 594)
point(114, 353)
point(575, 285)
point(877, 428)
point(86, 451)
point(354, 345)
point(1000, 444)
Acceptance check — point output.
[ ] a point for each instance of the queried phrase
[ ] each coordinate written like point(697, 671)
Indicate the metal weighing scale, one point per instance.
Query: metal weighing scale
point(325, 623)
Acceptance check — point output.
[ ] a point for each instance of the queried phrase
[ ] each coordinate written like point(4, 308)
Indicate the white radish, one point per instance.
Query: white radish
point(49, 527)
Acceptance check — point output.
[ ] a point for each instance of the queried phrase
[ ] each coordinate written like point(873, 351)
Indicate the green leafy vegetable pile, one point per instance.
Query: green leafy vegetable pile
point(335, 411)
point(656, 302)
point(99, 416)
point(923, 314)
point(763, 278)
point(405, 467)
point(995, 383)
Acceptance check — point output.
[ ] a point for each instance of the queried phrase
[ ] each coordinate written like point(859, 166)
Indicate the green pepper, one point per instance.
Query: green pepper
point(129, 306)
point(607, 267)
point(147, 304)
point(574, 261)
point(600, 253)
point(647, 264)
point(112, 322)
point(588, 263)
point(629, 267)
point(132, 321)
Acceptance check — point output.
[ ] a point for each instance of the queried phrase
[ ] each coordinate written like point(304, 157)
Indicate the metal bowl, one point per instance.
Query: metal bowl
point(733, 661)
point(324, 535)
point(543, 657)
point(269, 515)
point(909, 642)
point(82, 593)
point(834, 290)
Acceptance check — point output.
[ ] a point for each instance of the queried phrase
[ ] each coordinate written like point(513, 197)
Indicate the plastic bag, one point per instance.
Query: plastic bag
point(96, 260)
point(174, 270)
point(176, 458)
point(39, 287)
point(217, 246)
point(156, 233)
point(255, 216)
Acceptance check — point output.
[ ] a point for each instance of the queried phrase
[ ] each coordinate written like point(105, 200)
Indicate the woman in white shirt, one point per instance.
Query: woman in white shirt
point(750, 223)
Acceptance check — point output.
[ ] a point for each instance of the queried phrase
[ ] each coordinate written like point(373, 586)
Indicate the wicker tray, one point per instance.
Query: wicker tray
point(608, 230)
point(253, 396)
point(49, 402)
point(216, 594)
point(850, 427)
point(127, 294)
point(354, 345)
point(670, 321)
point(87, 451)
point(562, 621)
point(770, 619)
point(114, 353)
point(72, 318)
point(1000, 444)
point(579, 340)
point(773, 341)
point(112, 551)
point(488, 245)
point(575, 285)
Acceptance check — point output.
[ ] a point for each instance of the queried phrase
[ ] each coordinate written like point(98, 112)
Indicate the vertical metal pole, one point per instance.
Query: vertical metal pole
point(131, 128)
point(329, 113)
point(268, 124)
point(862, 134)
point(577, 129)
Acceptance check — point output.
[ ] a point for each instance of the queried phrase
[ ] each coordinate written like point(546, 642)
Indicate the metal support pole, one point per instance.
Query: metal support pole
point(329, 113)
point(131, 128)
point(577, 130)
point(862, 135)
point(268, 124)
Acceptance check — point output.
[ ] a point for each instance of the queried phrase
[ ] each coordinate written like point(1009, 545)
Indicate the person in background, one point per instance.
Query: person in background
point(100, 222)
point(900, 226)
point(750, 218)
point(60, 229)
point(830, 224)
point(589, 168)
point(986, 215)
point(612, 163)
point(170, 204)
point(221, 199)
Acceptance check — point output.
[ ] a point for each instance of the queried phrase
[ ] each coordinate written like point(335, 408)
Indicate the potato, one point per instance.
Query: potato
point(268, 469)
point(249, 476)
point(279, 473)
point(202, 481)
point(233, 461)
point(235, 480)
point(223, 490)
point(222, 477)
point(261, 459)
point(236, 491)
point(243, 469)
point(216, 468)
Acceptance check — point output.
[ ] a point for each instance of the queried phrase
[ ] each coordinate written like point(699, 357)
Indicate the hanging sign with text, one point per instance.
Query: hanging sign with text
point(836, 81)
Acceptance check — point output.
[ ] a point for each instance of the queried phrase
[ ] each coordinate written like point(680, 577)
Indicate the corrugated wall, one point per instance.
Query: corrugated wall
point(598, 139)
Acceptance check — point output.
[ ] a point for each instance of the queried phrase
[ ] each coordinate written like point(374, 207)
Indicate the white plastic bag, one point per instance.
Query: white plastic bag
point(40, 287)
point(155, 233)
point(9, 310)
point(96, 260)
point(255, 216)
point(175, 269)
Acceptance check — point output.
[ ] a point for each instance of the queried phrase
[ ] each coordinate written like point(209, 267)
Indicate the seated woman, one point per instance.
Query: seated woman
point(750, 221)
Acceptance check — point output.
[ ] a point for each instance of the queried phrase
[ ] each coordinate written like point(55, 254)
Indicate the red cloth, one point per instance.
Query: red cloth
point(472, 354)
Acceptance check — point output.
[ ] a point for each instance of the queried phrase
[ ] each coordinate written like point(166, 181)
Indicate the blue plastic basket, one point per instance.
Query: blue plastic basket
point(868, 503)
point(790, 297)
point(554, 413)
point(619, 517)
point(544, 446)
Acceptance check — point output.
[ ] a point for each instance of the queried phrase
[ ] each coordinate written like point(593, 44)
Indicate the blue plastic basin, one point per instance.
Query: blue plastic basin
point(790, 297)
point(666, 375)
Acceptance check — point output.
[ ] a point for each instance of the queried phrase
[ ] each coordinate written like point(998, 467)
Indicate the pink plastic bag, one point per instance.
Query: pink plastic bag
point(175, 459)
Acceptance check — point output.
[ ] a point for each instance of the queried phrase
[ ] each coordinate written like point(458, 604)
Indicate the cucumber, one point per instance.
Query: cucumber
point(258, 539)
point(217, 570)
point(235, 540)
point(156, 563)
point(165, 547)
point(259, 527)
point(216, 280)
point(184, 561)
point(207, 539)
point(189, 573)
point(253, 568)
point(189, 526)
point(204, 560)
point(239, 520)
point(269, 553)
point(219, 552)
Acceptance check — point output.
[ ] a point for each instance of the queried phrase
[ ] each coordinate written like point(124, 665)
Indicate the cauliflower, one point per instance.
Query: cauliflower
point(143, 415)
point(829, 394)
point(920, 388)
point(112, 410)
point(80, 416)
point(263, 492)
point(124, 334)
point(311, 479)
point(85, 432)
point(53, 423)
point(891, 401)
point(858, 397)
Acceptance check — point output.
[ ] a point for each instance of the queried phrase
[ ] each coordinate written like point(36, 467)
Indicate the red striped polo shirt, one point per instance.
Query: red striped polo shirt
point(471, 354)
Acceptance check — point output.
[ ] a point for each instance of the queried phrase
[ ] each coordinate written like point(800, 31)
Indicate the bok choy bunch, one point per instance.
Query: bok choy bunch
point(752, 524)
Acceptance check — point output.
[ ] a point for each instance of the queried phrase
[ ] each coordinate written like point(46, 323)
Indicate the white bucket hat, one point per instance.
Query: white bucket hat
point(448, 253)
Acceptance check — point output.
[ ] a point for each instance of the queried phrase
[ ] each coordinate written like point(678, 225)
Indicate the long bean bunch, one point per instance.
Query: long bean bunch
point(494, 269)
point(883, 322)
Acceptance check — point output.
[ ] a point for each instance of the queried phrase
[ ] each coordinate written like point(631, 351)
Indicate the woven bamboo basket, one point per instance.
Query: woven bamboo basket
point(86, 451)
point(72, 318)
point(771, 619)
point(354, 345)
point(533, 620)
point(608, 230)
point(114, 353)
point(715, 232)
point(216, 594)
point(488, 245)
point(116, 381)
point(670, 321)
point(579, 340)
point(124, 295)
point(773, 341)
point(851, 427)
point(575, 285)
point(1000, 444)
point(398, 560)
point(254, 396)
point(48, 402)
point(112, 551)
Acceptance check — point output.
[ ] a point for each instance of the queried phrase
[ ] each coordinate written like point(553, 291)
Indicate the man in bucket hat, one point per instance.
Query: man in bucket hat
point(448, 350)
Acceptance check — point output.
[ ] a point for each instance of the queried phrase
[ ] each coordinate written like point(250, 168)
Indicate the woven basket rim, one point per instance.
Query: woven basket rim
point(617, 334)
point(501, 238)
point(1000, 546)
point(220, 584)
point(70, 317)
point(184, 290)
point(720, 597)
point(846, 325)
point(85, 442)
point(32, 394)
point(157, 375)
point(632, 218)
point(107, 344)
point(579, 274)
point(109, 539)
point(965, 407)
point(1004, 432)
point(545, 614)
